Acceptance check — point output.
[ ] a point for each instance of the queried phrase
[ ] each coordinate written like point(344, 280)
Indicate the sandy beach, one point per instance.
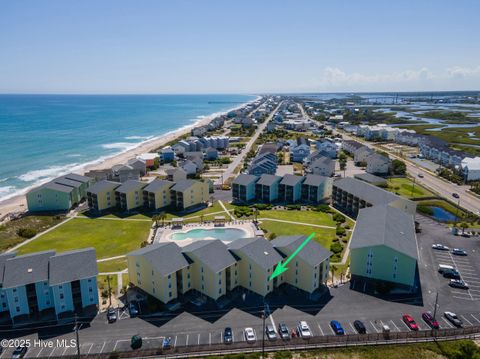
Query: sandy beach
point(19, 204)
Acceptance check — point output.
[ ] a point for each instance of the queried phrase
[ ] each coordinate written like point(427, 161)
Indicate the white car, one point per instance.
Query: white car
point(304, 330)
point(440, 247)
point(250, 336)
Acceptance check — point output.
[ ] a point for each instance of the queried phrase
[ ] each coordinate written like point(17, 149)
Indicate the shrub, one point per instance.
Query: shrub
point(347, 226)
point(26, 232)
point(294, 207)
point(271, 236)
point(425, 210)
point(262, 206)
point(340, 218)
point(336, 248)
point(243, 211)
point(340, 231)
point(322, 208)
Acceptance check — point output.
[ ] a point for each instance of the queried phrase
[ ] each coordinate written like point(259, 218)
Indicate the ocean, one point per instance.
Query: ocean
point(44, 136)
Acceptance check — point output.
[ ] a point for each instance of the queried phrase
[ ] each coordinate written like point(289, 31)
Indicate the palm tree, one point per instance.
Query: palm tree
point(155, 220)
point(201, 218)
point(162, 216)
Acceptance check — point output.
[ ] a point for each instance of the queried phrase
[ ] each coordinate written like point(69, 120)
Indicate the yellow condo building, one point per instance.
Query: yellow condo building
point(101, 195)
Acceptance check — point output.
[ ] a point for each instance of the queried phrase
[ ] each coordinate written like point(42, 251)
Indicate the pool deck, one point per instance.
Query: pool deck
point(165, 234)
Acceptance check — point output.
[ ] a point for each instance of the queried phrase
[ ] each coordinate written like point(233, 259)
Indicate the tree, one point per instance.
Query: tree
point(201, 218)
point(155, 220)
point(399, 167)
point(162, 217)
point(463, 226)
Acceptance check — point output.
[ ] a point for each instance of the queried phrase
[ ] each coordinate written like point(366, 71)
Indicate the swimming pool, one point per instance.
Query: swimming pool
point(224, 234)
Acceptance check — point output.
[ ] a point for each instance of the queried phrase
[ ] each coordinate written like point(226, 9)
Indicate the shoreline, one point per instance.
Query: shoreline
point(18, 203)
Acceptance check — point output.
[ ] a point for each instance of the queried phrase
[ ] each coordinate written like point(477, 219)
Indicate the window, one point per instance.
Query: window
point(170, 294)
point(63, 307)
point(153, 290)
point(90, 280)
point(61, 295)
point(16, 299)
point(90, 289)
point(268, 287)
point(220, 282)
point(48, 302)
point(18, 309)
point(169, 285)
point(153, 273)
point(91, 299)
point(220, 291)
point(250, 284)
point(60, 287)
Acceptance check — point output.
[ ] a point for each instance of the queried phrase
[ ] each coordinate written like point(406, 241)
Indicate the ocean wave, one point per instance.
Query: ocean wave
point(7, 190)
point(74, 155)
point(119, 145)
point(46, 173)
point(138, 137)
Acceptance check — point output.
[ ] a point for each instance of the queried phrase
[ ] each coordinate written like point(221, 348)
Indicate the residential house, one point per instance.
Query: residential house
point(471, 168)
point(290, 188)
point(189, 167)
point(213, 268)
point(323, 166)
point(329, 147)
point(129, 195)
point(122, 173)
point(243, 188)
point(316, 189)
point(378, 164)
point(181, 147)
point(167, 155)
point(361, 154)
point(256, 260)
point(266, 188)
point(42, 282)
point(188, 194)
point(309, 269)
point(350, 195)
point(211, 154)
point(156, 195)
point(264, 163)
point(408, 137)
point(149, 158)
point(139, 165)
point(101, 195)
point(383, 248)
point(199, 131)
point(160, 270)
point(60, 194)
point(351, 146)
point(300, 150)
point(176, 174)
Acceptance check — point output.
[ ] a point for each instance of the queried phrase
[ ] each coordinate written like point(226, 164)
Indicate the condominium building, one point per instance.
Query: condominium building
point(156, 195)
point(290, 188)
point(316, 189)
point(129, 195)
point(243, 188)
point(266, 188)
point(101, 195)
point(188, 194)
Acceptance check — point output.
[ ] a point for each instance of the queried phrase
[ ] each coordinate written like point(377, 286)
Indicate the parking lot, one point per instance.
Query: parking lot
point(204, 326)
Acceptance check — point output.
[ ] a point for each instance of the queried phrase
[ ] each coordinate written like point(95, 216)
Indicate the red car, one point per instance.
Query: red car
point(428, 318)
point(410, 322)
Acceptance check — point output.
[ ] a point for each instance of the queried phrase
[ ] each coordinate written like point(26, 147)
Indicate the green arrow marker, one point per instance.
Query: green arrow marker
point(282, 267)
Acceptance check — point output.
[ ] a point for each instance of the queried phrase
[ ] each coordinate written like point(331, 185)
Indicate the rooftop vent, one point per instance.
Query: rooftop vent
point(29, 270)
point(266, 253)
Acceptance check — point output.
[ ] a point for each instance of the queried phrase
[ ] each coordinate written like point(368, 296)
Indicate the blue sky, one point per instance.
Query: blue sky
point(115, 46)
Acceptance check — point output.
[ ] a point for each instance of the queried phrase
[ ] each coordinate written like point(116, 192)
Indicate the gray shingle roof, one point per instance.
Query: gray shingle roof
point(268, 180)
point(57, 187)
point(3, 259)
point(131, 185)
point(157, 184)
point(368, 177)
point(67, 182)
point(385, 225)
point(103, 186)
point(314, 180)
point(26, 269)
point(78, 178)
point(320, 161)
point(166, 258)
point(213, 253)
point(313, 253)
point(183, 185)
point(258, 249)
point(244, 179)
point(291, 180)
point(73, 265)
point(365, 191)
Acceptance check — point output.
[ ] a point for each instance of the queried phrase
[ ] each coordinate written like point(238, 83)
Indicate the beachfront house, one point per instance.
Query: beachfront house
point(60, 194)
point(150, 159)
point(101, 195)
point(139, 165)
point(122, 173)
point(188, 194)
point(156, 195)
point(167, 155)
point(309, 269)
point(243, 188)
point(129, 195)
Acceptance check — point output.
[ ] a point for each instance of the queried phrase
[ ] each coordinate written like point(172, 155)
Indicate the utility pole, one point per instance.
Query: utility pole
point(435, 308)
point(77, 337)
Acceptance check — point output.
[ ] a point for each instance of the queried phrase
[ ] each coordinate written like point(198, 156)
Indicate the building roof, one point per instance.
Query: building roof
point(27, 269)
point(257, 249)
point(73, 265)
point(291, 180)
point(313, 253)
point(132, 161)
point(314, 180)
point(148, 156)
point(473, 164)
point(366, 191)
point(353, 144)
point(122, 167)
point(213, 253)
point(131, 185)
point(158, 184)
point(56, 187)
point(103, 186)
point(268, 148)
point(172, 171)
point(78, 178)
point(244, 179)
point(388, 226)
point(166, 257)
point(183, 185)
point(378, 157)
point(67, 182)
point(369, 178)
point(3, 259)
point(268, 180)
point(320, 161)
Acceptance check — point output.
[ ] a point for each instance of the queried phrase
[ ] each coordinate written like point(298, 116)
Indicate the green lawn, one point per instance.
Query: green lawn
point(311, 217)
point(404, 187)
point(8, 231)
point(110, 238)
point(115, 265)
point(324, 236)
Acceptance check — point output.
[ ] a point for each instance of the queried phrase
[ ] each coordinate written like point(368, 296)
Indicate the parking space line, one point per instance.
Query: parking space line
point(374, 327)
point(198, 341)
point(175, 343)
point(64, 350)
point(465, 319)
point(233, 336)
point(186, 341)
point(38, 354)
point(354, 331)
point(406, 326)
point(331, 329)
point(395, 325)
point(447, 322)
point(474, 317)
point(103, 347)
point(210, 338)
point(51, 353)
point(464, 298)
point(221, 337)
point(319, 327)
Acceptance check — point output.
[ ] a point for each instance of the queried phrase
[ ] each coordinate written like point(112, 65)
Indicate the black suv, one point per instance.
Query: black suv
point(227, 335)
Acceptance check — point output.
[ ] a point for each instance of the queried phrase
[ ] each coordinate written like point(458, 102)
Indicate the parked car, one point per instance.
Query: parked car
point(452, 318)
point(360, 327)
point(283, 331)
point(430, 320)
point(459, 252)
point(410, 322)
point(337, 327)
point(451, 274)
point(228, 335)
point(250, 336)
point(455, 195)
point(440, 247)
point(132, 309)
point(444, 267)
point(19, 352)
point(458, 283)
point(270, 331)
point(111, 315)
point(420, 175)
point(304, 330)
